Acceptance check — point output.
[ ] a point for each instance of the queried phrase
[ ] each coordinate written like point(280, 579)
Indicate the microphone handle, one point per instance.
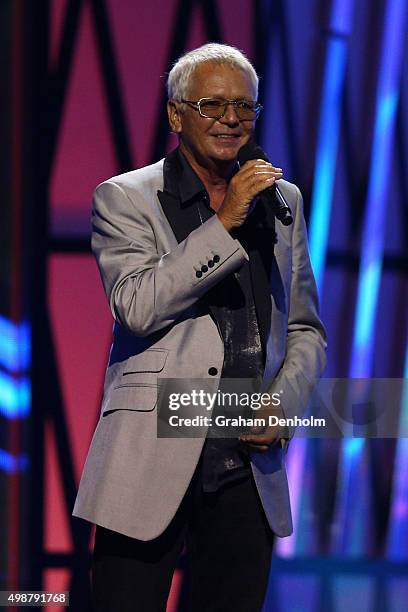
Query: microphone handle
point(281, 208)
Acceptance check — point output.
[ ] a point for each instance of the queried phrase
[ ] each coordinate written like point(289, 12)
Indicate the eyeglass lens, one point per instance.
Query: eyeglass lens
point(215, 109)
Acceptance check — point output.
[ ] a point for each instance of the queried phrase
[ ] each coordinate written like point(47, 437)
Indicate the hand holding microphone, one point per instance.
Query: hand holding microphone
point(276, 198)
point(256, 175)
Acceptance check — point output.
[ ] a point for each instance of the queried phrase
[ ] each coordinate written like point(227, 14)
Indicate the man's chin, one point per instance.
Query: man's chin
point(226, 156)
point(228, 152)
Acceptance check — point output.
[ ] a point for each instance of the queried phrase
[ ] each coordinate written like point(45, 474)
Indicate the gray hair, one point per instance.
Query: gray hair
point(178, 81)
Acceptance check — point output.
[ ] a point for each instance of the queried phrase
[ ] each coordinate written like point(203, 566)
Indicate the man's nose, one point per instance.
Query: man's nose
point(230, 116)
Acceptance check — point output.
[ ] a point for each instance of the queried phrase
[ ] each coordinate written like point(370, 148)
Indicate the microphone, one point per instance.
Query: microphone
point(280, 207)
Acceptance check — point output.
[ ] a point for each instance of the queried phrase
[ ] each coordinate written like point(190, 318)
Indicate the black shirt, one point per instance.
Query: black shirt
point(231, 303)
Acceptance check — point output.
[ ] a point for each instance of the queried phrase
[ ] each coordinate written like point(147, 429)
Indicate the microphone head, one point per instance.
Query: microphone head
point(285, 219)
point(251, 151)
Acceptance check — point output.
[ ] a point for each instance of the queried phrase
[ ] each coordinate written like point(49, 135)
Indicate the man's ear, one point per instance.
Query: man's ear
point(174, 115)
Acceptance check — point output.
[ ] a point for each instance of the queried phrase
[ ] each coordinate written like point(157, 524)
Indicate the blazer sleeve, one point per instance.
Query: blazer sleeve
point(146, 291)
point(305, 357)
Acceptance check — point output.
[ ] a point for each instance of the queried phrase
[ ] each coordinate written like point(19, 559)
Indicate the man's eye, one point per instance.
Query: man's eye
point(245, 105)
point(213, 103)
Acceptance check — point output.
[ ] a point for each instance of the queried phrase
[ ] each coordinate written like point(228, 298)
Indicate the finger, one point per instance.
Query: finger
point(259, 439)
point(266, 174)
point(259, 170)
point(258, 163)
point(256, 430)
point(248, 168)
point(272, 171)
point(253, 162)
point(260, 176)
point(256, 175)
point(268, 171)
point(260, 182)
point(258, 448)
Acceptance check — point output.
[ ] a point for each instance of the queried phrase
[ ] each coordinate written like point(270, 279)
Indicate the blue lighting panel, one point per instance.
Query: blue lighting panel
point(325, 170)
point(327, 146)
point(15, 358)
point(376, 206)
point(353, 504)
point(11, 464)
point(326, 157)
point(15, 345)
point(15, 396)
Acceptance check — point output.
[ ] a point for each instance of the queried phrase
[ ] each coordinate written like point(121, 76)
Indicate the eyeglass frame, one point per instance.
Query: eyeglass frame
point(197, 106)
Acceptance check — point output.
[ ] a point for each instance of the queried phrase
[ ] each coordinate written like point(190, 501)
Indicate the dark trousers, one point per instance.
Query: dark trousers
point(229, 548)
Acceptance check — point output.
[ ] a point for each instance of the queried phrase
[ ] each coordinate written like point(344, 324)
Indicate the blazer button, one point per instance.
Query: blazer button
point(212, 371)
point(216, 258)
point(210, 263)
point(199, 274)
point(204, 269)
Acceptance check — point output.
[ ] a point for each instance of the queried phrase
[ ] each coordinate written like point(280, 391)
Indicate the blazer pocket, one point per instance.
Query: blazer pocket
point(151, 361)
point(139, 397)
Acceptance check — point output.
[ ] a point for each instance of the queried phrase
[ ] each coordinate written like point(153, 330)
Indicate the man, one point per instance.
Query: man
point(202, 286)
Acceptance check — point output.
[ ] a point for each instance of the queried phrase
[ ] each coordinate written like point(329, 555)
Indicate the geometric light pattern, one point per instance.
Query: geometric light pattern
point(100, 88)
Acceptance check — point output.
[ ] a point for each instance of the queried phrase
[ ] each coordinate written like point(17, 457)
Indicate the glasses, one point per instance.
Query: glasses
point(215, 108)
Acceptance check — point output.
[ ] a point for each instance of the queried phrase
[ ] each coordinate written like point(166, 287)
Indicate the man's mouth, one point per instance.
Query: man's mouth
point(227, 135)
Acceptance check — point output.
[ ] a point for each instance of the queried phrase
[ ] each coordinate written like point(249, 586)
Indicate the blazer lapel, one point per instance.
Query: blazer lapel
point(182, 219)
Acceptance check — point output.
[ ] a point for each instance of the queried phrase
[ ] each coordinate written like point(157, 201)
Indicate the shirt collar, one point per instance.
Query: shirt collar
point(190, 185)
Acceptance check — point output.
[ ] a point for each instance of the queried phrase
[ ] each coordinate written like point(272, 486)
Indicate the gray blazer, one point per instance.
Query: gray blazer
point(133, 481)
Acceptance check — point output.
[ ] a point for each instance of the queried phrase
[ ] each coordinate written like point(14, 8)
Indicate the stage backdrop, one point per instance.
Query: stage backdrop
point(334, 79)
